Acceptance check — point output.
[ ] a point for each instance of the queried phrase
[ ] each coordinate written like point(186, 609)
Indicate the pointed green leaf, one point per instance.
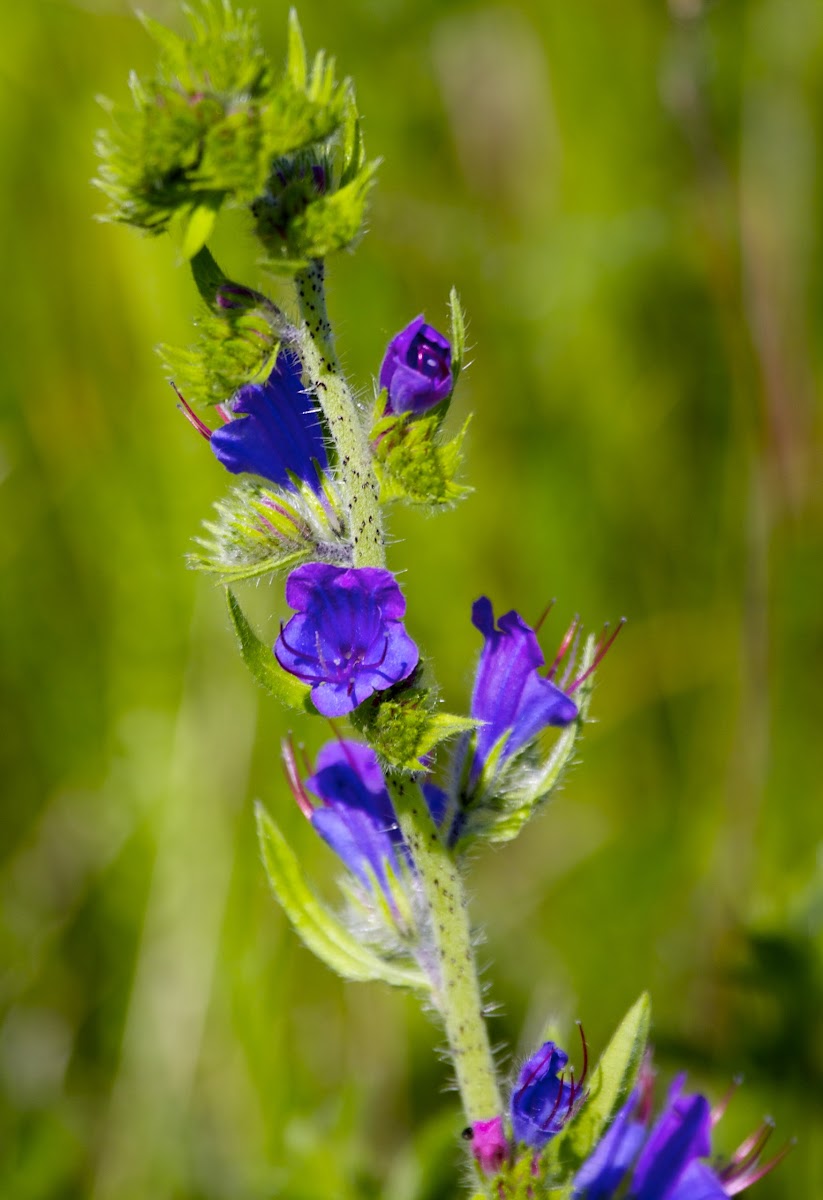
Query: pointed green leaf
point(265, 668)
point(296, 56)
point(607, 1089)
point(322, 932)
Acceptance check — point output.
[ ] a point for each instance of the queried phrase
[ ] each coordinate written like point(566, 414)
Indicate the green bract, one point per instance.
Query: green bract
point(206, 128)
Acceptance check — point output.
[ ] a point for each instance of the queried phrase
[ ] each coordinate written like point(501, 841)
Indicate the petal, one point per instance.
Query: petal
point(607, 1165)
point(698, 1182)
point(397, 349)
point(275, 430)
point(680, 1135)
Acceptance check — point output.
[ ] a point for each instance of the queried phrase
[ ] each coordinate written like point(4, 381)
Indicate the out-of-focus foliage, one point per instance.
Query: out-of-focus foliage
point(629, 198)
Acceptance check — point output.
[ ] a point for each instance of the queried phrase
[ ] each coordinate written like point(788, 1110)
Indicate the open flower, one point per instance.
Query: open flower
point(273, 429)
point(512, 699)
point(668, 1161)
point(347, 639)
point(416, 369)
point(353, 812)
point(510, 696)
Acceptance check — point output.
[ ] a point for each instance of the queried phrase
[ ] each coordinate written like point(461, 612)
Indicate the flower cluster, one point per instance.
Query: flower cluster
point(636, 1158)
point(402, 808)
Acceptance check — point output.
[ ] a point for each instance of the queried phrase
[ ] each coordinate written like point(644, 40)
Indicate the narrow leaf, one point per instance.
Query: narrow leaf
point(296, 57)
point(321, 931)
point(458, 334)
point(260, 660)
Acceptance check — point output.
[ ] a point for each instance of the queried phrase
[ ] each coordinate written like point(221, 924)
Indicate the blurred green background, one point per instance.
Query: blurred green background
point(628, 198)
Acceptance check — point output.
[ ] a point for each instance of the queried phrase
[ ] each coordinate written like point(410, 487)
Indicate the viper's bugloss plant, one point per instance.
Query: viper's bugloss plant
point(404, 799)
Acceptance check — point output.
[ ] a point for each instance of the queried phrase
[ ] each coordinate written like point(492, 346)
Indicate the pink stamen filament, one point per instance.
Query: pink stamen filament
point(544, 614)
point(568, 638)
point(602, 649)
point(585, 1069)
point(720, 1108)
point(190, 415)
point(295, 782)
point(751, 1149)
point(740, 1182)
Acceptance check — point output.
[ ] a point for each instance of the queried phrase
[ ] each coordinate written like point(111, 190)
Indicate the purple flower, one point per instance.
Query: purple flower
point(347, 639)
point(354, 815)
point(542, 1101)
point(509, 694)
point(274, 431)
point(416, 369)
point(668, 1161)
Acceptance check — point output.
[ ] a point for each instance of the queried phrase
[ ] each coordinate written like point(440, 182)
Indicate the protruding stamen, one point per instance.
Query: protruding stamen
point(295, 782)
point(745, 1179)
point(568, 638)
point(584, 1072)
point(753, 1146)
point(189, 413)
point(544, 614)
point(603, 647)
point(719, 1109)
point(561, 1079)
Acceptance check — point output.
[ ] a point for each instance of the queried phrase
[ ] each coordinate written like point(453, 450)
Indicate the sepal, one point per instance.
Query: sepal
point(506, 797)
point(238, 335)
point(261, 529)
point(411, 460)
point(404, 730)
point(321, 931)
point(265, 668)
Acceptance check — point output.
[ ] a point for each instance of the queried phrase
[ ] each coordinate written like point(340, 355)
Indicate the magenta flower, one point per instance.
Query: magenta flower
point(347, 639)
point(416, 369)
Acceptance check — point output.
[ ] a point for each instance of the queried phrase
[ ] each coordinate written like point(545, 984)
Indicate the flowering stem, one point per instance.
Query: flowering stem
point(356, 473)
point(456, 986)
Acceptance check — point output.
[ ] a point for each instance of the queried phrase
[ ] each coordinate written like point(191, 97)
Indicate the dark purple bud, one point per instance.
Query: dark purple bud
point(347, 639)
point(416, 369)
point(542, 1101)
point(275, 430)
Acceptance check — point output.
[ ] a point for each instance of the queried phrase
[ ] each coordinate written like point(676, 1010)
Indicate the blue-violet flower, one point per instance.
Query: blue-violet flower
point(542, 1101)
point(509, 695)
point(355, 816)
point(416, 369)
point(274, 430)
point(668, 1161)
point(347, 639)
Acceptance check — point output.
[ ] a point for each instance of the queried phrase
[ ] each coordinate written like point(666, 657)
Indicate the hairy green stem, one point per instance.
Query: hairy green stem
point(355, 469)
point(456, 986)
